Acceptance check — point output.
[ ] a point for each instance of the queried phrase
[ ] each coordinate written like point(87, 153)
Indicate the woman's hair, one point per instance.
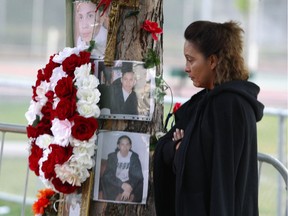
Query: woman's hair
point(123, 137)
point(223, 40)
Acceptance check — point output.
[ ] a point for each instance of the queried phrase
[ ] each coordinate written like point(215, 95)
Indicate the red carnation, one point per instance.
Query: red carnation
point(34, 157)
point(47, 111)
point(44, 125)
point(65, 187)
point(153, 28)
point(48, 70)
point(32, 132)
point(58, 155)
point(84, 57)
point(70, 63)
point(84, 128)
point(50, 96)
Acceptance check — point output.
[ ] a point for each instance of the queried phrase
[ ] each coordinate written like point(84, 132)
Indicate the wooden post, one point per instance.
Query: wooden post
point(132, 43)
point(114, 16)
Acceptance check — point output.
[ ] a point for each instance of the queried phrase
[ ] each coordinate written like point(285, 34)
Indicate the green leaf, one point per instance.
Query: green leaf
point(151, 59)
point(91, 47)
point(36, 121)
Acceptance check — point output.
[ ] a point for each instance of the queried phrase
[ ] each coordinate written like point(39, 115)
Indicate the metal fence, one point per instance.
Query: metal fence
point(278, 113)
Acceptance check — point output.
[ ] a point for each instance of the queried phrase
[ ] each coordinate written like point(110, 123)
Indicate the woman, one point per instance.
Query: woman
point(207, 163)
point(122, 180)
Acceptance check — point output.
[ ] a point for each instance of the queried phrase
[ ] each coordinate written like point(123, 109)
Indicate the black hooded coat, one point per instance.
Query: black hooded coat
point(214, 171)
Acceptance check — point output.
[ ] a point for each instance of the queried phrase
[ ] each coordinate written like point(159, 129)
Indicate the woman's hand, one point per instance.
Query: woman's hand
point(178, 135)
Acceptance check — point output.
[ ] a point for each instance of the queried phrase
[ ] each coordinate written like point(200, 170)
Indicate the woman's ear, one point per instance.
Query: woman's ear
point(213, 61)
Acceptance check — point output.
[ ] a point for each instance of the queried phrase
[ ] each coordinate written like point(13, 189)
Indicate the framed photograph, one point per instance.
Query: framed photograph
point(126, 89)
point(77, 203)
point(122, 167)
point(89, 25)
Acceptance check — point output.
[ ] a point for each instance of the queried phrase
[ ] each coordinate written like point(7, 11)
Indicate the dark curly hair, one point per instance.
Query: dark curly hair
point(223, 40)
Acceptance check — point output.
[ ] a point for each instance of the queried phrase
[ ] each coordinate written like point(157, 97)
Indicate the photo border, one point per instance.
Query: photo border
point(150, 72)
point(143, 156)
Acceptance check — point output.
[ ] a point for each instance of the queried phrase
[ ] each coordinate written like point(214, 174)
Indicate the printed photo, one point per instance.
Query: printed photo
point(126, 90)
point(90, 25)
point(71, 204)
point(122, 167)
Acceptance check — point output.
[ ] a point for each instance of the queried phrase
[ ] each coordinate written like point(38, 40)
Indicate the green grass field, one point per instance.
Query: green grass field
point(13, 170)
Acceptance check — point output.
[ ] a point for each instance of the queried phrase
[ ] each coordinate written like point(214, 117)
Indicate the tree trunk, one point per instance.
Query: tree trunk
point(132, 44)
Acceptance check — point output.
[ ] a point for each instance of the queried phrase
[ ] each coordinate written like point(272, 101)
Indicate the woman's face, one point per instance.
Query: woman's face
point(124, 146)
point(199, 68)
point(86, 16)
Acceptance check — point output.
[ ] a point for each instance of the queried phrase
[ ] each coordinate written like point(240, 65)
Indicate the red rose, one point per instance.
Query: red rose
point(34, 157)
point(65, 108)
point(70, 63)
point(58, 155)
point(153, 28)
point(65, 87)
point(176, 107)
point(84, 128)
point(65, 187)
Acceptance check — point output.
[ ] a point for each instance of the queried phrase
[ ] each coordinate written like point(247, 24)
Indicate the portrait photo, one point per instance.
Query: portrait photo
point(71, 204)
point(126, 90)
point(122, 167)
point(90, 25)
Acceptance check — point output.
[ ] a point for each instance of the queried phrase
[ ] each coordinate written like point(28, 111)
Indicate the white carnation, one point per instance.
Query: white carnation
point(67, 51)
point(76, 142)
point(61, 130)
point(57, 74)
point(82, 72)
point(43, 141)
point(67, 173)
point(41, 90)
point(33, 111)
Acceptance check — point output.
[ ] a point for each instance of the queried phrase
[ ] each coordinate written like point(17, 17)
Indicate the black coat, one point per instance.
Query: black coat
point(214, 171)
point(117, 103)
point(111, 185)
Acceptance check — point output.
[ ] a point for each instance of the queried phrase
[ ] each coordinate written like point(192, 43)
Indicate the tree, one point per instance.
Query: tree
point(133, 43)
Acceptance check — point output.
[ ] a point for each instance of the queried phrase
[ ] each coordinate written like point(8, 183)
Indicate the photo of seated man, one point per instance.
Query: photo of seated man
point(122, 179)
point(122, 167)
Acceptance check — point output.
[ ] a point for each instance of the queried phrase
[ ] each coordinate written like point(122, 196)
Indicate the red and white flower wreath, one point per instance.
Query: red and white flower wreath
point(62, 120)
